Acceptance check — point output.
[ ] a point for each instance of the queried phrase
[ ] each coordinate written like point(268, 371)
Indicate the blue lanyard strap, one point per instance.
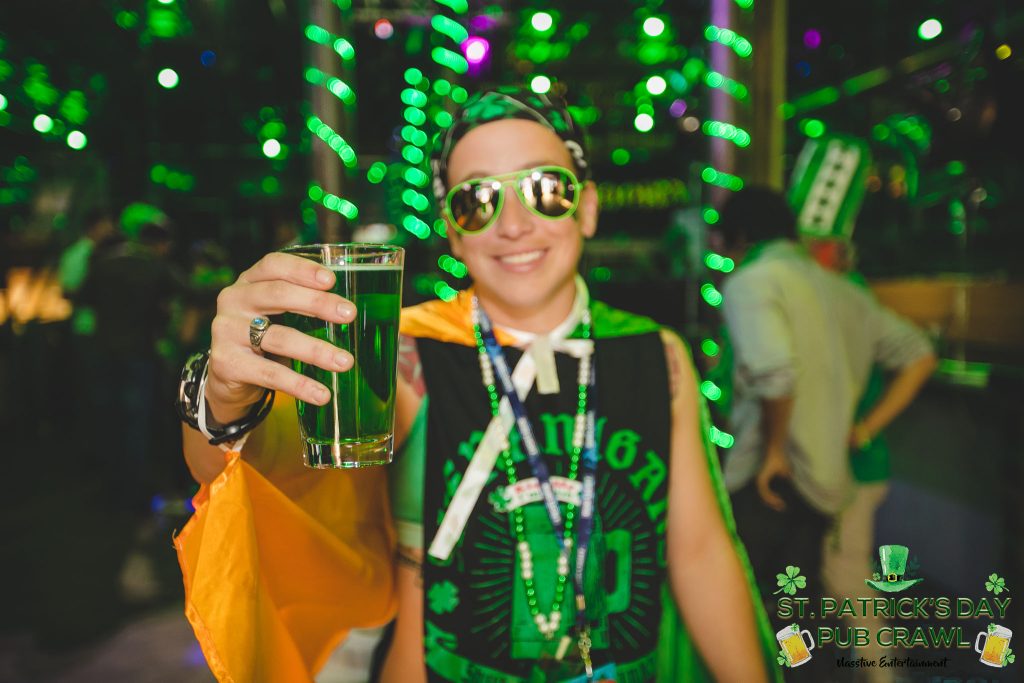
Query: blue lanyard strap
point(585, 520)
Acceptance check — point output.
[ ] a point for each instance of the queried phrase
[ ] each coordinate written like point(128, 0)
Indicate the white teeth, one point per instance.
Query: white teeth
point(526, 257)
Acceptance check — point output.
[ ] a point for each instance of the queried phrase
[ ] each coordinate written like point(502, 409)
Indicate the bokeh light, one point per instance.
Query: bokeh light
point(383, 29)
point(271, 148)
point(541, 21)
point(812, 39)
point(168, 78)
point(476, 49)
point(540, 84)
point(643, 122)
point(656, 85)
point(654, 27)
point(929, 29)
point(77, 140)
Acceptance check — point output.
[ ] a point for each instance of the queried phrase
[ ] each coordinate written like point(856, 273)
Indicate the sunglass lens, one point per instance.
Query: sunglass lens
point(474, 205)
point(550, 192)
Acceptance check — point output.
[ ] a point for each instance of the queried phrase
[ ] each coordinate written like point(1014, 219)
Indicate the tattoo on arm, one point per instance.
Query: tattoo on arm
point(409, 368)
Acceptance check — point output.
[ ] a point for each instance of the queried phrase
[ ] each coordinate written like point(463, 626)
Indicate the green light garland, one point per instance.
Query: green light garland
point(337, 87)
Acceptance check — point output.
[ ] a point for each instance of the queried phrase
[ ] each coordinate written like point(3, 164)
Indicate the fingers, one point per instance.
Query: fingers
point(764, 489)
point(285, 341)
point(279, 296)
point(244, 368)
point(291, 268)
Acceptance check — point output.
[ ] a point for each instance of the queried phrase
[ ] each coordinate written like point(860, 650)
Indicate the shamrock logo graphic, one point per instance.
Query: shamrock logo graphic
point(1009, 657)
point(781, 658)
point(790, 582)
point(443, 597)
point(996, 584)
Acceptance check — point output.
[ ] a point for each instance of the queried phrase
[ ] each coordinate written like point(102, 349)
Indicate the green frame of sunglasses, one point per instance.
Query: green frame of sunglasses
point(516, 178)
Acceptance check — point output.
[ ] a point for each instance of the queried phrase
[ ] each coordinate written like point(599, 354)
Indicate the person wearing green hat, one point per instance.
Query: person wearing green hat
point(602, 525)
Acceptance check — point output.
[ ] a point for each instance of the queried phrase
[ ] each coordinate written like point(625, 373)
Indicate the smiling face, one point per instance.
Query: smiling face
point(523, 266)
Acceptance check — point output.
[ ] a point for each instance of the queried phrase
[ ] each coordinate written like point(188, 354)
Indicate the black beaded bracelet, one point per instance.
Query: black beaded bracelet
point(190, 388)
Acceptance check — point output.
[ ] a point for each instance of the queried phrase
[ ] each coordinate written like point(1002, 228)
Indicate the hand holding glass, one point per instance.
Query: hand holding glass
point(356, 426)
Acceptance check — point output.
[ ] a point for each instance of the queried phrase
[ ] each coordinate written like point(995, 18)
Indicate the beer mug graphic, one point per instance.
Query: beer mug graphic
point(997, 643)
point(791, 640)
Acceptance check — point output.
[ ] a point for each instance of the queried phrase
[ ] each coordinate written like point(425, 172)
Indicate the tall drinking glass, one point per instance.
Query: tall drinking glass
point(356, 427)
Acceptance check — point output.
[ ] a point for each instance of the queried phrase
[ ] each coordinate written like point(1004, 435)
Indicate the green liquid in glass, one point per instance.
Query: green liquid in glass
point(355, 428)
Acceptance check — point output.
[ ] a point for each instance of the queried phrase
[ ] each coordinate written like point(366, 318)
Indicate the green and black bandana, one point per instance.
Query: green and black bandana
point(508, 103)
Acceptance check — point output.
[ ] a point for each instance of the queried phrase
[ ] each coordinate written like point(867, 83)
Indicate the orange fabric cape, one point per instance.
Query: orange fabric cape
point(277, 568)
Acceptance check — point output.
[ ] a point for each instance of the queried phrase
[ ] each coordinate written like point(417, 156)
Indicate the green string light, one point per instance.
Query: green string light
point(710, 390)
point(413, 76)
point(43, 123)
point(444, 291)
point(415, 176)
point(449, 59)
point(449, 28)
point(713, 176)
point(323, 131)
point(76, 140)
point(726, 131)
point(729, 38)
point(333, 202)
point(711, 294)
point(720, 438)
point(377, 171)
point(710, 347)
point(413, 97)
point(457, 6)
point(540, 84)
point(416, 226)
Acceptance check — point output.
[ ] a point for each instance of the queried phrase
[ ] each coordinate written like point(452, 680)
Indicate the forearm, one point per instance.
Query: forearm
point(775, 416)
point(729, 607)
point(899, 393)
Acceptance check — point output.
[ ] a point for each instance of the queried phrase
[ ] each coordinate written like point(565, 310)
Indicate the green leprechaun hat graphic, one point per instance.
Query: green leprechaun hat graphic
point(894, 564)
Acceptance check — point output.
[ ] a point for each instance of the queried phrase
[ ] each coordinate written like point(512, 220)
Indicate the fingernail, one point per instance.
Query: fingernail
point(346, 311)
point(342, 360)
point(324, 276)
point(322, 395)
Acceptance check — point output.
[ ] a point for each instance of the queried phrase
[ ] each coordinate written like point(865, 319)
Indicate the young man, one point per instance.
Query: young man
point(804, 341)
point(488, 587)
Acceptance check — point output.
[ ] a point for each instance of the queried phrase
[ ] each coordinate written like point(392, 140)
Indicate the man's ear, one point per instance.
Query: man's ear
point(588, 210)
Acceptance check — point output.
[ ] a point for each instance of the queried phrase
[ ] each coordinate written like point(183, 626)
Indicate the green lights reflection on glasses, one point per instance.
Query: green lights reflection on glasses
point(550, 192)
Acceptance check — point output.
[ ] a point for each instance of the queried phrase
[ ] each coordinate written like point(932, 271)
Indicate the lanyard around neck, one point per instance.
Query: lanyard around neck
point(585, 521)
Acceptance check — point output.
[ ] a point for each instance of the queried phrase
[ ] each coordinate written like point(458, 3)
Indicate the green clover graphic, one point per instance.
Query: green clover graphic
point(876, 577)
point(996, 584)
point(1009, 657)
point(992, 628)
point(443, 597)
point(791, 581)
point(781, 658)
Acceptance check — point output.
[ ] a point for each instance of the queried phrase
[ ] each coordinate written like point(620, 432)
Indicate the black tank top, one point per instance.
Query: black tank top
point(477, 624)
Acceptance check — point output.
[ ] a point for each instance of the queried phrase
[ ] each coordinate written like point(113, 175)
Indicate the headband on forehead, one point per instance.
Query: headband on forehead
point(508, 103)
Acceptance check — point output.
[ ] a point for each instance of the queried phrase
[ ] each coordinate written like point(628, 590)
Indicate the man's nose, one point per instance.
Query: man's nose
point(515, 220)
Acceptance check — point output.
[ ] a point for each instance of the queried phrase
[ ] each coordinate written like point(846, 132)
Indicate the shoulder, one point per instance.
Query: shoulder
point(614, 322)
point(678, 362)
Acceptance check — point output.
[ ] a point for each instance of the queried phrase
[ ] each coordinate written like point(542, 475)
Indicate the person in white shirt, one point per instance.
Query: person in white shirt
point(804, 340)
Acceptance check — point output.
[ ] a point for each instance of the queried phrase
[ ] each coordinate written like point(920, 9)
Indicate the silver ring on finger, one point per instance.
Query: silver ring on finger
point(258, 327)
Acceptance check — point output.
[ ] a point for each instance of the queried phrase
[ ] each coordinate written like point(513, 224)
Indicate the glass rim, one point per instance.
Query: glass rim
point(355, 248)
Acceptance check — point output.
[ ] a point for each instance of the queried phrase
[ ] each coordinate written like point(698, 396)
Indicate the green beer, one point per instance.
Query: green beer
point(355, 427)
